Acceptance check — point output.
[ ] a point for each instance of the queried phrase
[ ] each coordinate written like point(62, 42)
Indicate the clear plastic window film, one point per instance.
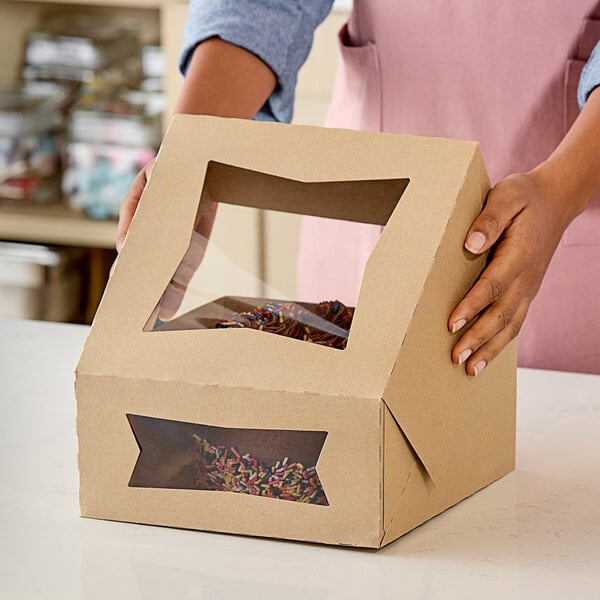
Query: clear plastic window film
point(292, 267)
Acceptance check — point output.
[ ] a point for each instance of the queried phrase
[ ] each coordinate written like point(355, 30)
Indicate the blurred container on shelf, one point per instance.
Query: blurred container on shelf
point(84, 54)
point(110, 141)
point(41, 282)
point(31, 126)
point(112, 132)
point(128, 119)
point(79, 41)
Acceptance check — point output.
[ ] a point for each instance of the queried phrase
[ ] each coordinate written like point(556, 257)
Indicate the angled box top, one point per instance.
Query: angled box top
point(437, 172)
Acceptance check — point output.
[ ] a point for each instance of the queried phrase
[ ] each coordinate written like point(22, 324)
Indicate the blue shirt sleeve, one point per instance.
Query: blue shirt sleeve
point(590, 77)
point(279, 32)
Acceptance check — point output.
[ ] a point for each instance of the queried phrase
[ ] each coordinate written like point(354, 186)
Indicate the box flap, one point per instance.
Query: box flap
point(393, 281)
point(364, 201)
point(399, 461)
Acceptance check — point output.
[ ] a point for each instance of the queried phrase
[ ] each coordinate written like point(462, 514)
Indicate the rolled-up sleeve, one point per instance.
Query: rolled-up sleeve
point(590, 77)
point(279, 32)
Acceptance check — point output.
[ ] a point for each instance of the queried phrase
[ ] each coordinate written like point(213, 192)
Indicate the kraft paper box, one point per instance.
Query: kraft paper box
point(199, 422)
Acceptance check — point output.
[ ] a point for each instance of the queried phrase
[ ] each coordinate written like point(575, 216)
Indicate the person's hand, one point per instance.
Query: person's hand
point(130, 203)
point(525, 223)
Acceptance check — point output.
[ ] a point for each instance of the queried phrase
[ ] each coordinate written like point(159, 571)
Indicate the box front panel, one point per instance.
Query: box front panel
point(275, 464)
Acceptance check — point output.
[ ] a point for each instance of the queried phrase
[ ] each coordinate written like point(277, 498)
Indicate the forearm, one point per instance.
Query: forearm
point(225, 80)
point(571, 175)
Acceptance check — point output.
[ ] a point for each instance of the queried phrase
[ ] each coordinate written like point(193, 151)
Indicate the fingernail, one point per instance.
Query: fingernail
point(480, 366)
point(475, 242)
point(464, 355)
point(458, 325)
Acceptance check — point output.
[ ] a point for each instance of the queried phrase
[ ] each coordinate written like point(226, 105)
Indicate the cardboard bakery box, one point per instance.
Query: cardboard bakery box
point(223, 416)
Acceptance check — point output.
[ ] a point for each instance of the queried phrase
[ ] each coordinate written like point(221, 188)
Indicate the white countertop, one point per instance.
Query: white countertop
point(533, 534)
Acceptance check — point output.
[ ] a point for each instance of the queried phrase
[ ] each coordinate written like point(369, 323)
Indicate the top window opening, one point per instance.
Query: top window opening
point(276, 255)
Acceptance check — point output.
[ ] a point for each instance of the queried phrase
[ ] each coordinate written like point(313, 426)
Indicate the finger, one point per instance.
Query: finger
point(170, 301)
point(490, 286)
point(480, 359)
point(173, 296)
point(504, 314)
point(504, 202)
point(129, 206)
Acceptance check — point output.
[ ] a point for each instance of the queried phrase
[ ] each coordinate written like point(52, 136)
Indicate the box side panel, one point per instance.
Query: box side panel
point(462, 428)
point(348, 465)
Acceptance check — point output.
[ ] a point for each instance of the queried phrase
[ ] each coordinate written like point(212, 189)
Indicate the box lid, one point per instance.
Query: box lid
point(393, 280)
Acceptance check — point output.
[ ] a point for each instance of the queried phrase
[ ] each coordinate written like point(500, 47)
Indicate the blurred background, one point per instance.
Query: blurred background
point(86, 90)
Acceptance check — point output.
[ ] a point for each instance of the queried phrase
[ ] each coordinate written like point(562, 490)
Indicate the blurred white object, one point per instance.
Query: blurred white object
point(40, 282)
point(153, 62)
point(81, 42)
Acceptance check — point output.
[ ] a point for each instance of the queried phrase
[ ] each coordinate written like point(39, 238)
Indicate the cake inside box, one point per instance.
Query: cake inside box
point(326, 323)
point(270, 463)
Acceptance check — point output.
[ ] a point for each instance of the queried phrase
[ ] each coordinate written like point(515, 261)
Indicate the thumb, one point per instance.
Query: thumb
point(173, 296)
point(130, 203)
point(504, 201)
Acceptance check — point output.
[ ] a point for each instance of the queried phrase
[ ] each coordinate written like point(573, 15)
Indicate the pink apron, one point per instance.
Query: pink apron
point(503, 73)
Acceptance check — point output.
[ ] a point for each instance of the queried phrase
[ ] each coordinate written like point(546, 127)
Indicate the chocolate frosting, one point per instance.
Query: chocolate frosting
point(327, 324)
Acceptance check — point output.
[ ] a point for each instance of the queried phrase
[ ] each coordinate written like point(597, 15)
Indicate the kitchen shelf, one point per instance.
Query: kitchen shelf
point(55, 224)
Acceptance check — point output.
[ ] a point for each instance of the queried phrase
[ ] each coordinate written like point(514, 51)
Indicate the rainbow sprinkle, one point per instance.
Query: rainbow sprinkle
point(229, 471)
